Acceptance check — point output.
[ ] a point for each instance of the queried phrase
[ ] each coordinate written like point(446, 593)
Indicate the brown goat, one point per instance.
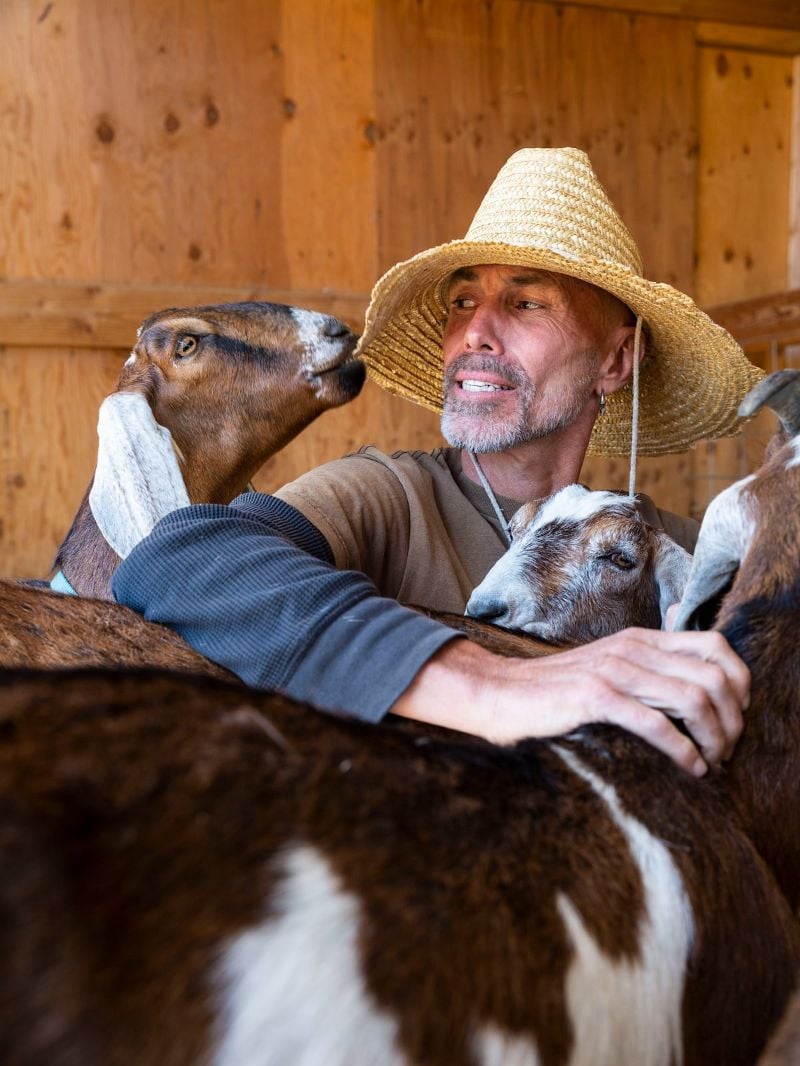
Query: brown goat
point(195, 873)
point(232, 384)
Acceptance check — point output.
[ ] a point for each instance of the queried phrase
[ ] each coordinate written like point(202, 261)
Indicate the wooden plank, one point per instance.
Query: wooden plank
point(776, 13)
point(744, 167)
point(767, 318)
point(88, 315)
point(793, 264)
point(743, 218)
point(748, 38)
point(47, 397)
point(328, 193)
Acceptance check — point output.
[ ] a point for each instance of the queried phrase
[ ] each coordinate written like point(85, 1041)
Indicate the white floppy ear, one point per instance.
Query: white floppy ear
point(724, 538)
point(672, 566)
point(138, 479)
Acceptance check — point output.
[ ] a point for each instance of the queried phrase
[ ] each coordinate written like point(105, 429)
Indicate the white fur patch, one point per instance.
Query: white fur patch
point(574, 503)
point(293, 990)
point(794, 447)
point(323, 352)
point(137, 480)
point(622, 1011)
point(131, 359)
point(492, 1047)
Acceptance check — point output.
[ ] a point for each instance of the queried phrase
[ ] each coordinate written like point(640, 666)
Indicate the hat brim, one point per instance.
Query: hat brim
point(691, 382)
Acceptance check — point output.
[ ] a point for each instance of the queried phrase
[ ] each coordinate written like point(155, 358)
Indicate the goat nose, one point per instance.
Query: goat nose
point(487, 608)
point(335, 328)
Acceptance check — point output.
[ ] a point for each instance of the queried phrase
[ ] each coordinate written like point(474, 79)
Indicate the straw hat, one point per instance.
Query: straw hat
point(547, 209)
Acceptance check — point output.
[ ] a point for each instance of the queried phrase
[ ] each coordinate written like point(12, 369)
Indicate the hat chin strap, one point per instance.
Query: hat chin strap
point(637, 340)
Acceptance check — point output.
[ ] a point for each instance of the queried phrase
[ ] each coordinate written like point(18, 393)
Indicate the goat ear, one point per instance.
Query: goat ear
point(137, 480)
point(781, 393)
point(724, 538)
point(672, 566)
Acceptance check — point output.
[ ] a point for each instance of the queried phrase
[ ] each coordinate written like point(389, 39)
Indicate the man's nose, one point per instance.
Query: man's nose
point(483, 331)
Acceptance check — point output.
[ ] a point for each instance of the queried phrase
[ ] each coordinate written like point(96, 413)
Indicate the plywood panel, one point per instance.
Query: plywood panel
point(123, 152)
point(743, 191)
point(743, 206)
point(48, 414)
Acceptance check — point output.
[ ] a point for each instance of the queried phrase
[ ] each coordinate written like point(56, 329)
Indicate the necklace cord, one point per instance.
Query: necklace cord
point(487, 488)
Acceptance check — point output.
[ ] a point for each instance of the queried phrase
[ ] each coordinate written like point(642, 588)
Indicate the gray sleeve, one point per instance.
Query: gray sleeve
point(251, 586)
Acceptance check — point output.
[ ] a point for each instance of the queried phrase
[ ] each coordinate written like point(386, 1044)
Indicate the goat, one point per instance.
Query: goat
point(193, 872)
point(232, 384)
point(581, 566)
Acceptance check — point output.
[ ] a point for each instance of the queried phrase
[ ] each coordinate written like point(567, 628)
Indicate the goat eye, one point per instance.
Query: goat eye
point(185, 346)
point(621, 561)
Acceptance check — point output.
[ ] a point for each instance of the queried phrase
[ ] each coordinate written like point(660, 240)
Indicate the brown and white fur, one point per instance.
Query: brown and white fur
point(196, 873)
point(233, 384)
point(581, 566)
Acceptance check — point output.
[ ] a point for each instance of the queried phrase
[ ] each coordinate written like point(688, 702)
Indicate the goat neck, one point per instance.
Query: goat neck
point(759, 619)
point(85, 557)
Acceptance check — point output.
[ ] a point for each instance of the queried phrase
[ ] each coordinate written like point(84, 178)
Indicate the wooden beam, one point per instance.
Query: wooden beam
point(60, 314)
point(765, 318)
point(748, 38)
point(775, 13)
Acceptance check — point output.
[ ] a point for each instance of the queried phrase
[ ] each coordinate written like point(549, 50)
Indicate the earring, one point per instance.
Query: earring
point(602, 403)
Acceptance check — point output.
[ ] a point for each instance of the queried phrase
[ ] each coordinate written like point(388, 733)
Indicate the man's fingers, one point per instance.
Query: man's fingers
point(710, 647)
point(700, 681)
point(654, 727)
point(704, 681)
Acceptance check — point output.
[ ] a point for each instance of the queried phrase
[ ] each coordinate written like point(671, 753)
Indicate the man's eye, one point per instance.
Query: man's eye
point(528, 305)
point(461, 302)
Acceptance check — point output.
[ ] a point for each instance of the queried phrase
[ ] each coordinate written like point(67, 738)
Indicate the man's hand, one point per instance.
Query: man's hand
point(634, 679)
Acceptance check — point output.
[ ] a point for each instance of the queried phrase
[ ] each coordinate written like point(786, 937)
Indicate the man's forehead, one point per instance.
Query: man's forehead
point(514, 275)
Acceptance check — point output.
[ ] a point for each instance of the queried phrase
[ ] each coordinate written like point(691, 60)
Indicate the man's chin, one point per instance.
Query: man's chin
point(464, 433)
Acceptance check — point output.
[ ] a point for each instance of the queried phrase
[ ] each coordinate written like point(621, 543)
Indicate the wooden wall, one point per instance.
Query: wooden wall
point(156, 152)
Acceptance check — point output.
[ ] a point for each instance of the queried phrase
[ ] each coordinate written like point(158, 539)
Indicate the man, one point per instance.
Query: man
point(521, 331)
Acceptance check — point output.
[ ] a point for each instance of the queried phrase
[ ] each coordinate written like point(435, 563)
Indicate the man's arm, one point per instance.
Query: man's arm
point(633, 679)
point(251, 587)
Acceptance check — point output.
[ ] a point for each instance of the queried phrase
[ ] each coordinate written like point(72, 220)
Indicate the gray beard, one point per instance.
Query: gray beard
point(463, 427)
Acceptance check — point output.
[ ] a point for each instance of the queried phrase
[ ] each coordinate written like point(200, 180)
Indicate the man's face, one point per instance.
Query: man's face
point(522, 351)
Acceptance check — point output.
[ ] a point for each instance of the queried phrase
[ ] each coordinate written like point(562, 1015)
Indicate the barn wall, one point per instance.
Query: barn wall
point(155, 153)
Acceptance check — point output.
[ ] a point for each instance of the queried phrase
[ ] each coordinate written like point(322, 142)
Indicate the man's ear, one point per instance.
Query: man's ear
point(617, 367)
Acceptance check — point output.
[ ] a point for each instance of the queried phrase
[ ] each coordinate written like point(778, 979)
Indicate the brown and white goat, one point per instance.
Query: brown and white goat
point(231, 384)
point(195, 873)
point(581, 566)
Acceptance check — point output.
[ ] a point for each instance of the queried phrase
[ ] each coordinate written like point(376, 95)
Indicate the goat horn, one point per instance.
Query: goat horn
point(781, 393)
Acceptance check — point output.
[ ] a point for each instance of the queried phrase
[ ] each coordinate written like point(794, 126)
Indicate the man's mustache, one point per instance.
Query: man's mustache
point(510, 373)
